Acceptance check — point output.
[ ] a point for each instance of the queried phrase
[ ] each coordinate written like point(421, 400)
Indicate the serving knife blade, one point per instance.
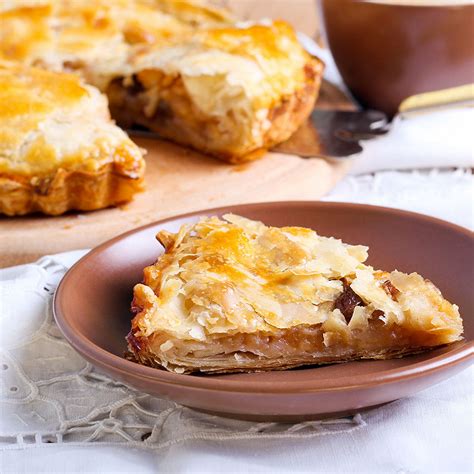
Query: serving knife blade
point(331, 134)
point(335, 134)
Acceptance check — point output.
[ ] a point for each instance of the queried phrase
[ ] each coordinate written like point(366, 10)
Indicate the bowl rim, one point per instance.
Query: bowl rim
point(102, 358)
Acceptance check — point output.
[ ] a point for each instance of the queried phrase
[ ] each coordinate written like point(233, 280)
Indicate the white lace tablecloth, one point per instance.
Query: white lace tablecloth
point(58, 414)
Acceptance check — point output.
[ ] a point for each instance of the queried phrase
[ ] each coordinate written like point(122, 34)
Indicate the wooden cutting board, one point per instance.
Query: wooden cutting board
point(178, 180)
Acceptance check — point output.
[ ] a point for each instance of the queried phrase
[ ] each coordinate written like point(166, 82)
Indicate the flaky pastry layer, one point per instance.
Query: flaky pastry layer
point(235, 295)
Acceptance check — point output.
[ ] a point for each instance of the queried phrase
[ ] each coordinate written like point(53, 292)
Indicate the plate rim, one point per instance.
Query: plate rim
point(105, 358)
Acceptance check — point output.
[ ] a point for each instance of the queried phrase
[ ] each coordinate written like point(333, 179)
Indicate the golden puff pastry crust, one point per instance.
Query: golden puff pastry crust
point(233, 295)
point(59, 149)
point(177, 67)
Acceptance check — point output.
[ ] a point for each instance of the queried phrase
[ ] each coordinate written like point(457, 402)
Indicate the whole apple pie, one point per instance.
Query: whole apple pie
point(177, 67)
point(233, 295)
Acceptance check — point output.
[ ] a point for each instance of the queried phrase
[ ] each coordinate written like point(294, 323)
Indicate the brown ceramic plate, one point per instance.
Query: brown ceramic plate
point(92, 304)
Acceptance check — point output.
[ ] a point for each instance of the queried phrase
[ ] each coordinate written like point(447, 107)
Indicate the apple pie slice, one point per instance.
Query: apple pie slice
point(234, 295)
point(232, 92)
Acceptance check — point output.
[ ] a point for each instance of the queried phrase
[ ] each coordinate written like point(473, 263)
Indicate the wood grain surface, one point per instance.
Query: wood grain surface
point(177, 181)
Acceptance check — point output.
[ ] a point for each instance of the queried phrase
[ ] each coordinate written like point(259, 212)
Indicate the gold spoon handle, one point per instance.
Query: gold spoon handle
point(440, 99)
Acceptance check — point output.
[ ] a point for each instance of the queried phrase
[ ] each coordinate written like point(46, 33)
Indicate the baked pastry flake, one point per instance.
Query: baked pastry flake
point(59, 150)
point(233, 295)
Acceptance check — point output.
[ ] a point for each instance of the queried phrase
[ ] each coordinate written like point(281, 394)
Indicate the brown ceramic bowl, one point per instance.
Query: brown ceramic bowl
point(92, 304)
point(387, 50)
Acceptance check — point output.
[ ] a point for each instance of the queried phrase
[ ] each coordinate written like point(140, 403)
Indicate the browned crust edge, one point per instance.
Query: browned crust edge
point(70, 190)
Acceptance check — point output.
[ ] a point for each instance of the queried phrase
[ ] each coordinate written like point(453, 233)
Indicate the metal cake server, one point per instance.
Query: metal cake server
point(338, 134)
point(335, 134)
point(327, 134)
